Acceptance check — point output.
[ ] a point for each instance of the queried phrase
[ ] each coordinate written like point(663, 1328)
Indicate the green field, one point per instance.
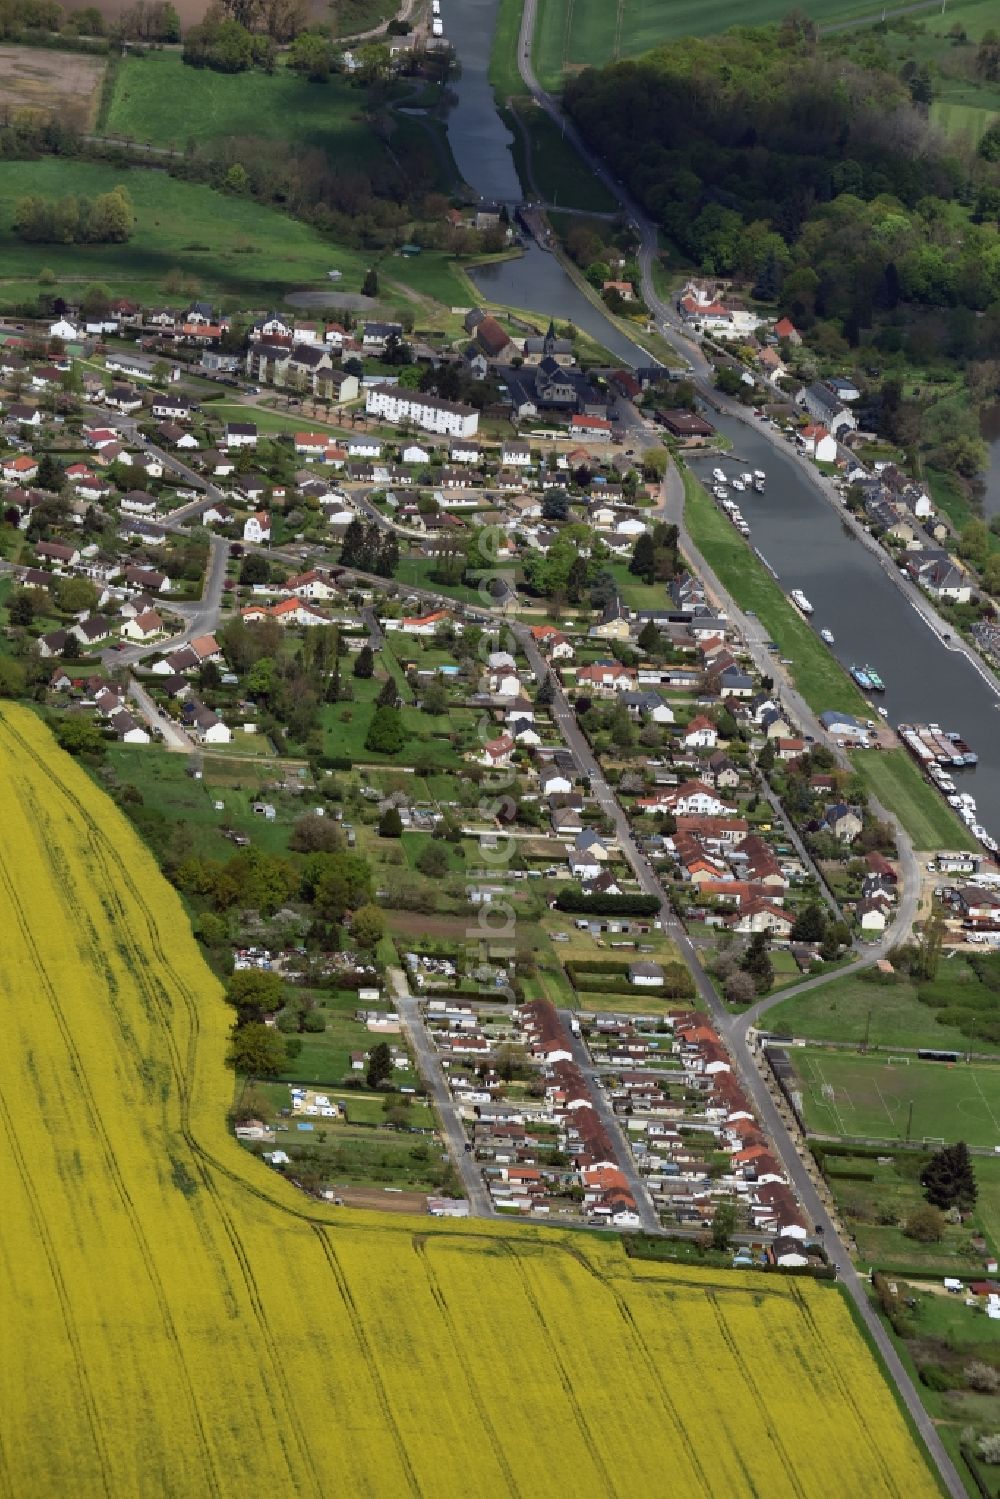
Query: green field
point(557, 171)
point(573, 34)
point(866, 1097)
point(895, 780)
point(848, 1008)
point(157, 99)
point(230, 248)
point(816, 673)
point(504, 74)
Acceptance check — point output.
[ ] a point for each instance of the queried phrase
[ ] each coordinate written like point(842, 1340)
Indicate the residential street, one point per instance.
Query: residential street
point(637, 1186)
point(430, 1069)
point(174, 736)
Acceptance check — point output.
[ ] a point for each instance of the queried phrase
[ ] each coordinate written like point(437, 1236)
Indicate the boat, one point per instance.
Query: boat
point(877, 684)
point(747, 477)
point(720, 491)
point(963, 754)
point(883, 712)
point(719, 476)
point(799, 599)
point(826, 636)
point(759, 473)
point(738, 484)
point(758, 485)
point(862, 678)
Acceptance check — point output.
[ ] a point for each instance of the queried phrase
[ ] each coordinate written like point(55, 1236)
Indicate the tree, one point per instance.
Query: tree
point(254, 569)
point(21, 607)
point(757, 963)
point(386, 734)
point(76, 594)
point(433, 861)
point(434, 699)
point(649, 639)
point(390, 824)
point(364, 663)
point(740, 988)
point(555, 505)
point(379, 1064)
point(389, 695)
point(723, 1223)
point(312, 55)
point(80, 736)
point(257, 1050)
point(254, 993)
point(643, 562)
point(546, 692)
point(369, 286)
point(928, 950)
point(313, 834)
point(948, 1179)
point(810, 924)
point(925, 1225)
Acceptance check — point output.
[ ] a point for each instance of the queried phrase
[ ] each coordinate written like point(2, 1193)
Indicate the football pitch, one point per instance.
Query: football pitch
point(870, 1097)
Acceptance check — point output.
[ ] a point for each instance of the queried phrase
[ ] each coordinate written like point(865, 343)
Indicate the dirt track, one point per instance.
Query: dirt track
point(382, 1201)
point(67, 84)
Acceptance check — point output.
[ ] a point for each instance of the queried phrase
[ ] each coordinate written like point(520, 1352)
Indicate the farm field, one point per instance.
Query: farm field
point(230, 248)
point(570, 34)
point(39, 80)
point(866, 1097)
point(185, 1299)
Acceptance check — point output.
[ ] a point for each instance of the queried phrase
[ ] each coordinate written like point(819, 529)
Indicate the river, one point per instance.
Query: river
point(481, 145)
point(796, 529)
point(810, 547)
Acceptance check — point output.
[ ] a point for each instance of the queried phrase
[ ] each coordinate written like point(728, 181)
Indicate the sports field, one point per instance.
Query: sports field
point(179, 1321)
point(573, 34)
point(869, 1097)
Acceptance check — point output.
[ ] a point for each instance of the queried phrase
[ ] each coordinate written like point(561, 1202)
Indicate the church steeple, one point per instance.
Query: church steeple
point(549, 345)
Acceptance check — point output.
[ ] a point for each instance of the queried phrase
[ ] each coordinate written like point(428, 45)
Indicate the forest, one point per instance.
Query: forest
point(819, 181)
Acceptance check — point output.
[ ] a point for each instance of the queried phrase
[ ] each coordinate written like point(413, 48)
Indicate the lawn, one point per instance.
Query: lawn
point(231, 248)
point(893, 778)
point(848, 1008)
point(817, 674)
point(865, 1097)
point(346, 728)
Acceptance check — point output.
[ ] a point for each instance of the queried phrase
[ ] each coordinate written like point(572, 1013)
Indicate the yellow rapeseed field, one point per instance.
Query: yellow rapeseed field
point(177, 1321)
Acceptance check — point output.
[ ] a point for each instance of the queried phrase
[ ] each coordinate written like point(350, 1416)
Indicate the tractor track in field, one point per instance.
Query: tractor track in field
point(420, 1248)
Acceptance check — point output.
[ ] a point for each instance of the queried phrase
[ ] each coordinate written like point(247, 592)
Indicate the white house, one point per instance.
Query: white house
point(700, 733)
point(241, 435)
point(397, 404)
point(208, 727)
point(257, 528)
point(414, 453)
point(645, 975)
point(64, 329)
point(817, 441)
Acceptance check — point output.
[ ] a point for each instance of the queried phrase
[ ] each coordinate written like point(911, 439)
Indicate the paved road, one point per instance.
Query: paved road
point(202, 618)
point(429, 1063)
point(648, 1215)
point(174, 736)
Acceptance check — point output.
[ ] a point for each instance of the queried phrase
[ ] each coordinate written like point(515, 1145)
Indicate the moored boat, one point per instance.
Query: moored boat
point(826, 636)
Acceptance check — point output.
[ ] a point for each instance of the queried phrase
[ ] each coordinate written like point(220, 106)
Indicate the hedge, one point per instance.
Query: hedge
point(570, 899)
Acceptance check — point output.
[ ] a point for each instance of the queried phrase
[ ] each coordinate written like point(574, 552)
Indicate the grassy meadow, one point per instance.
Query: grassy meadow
point(232, 248)
point(208, 1330)
point(157, 99)
point(894, 779)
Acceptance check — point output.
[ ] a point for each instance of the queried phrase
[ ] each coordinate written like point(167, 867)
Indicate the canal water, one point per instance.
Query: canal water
point(810, 547)
point(796, 529)
point(990, 428)
point(481, 145)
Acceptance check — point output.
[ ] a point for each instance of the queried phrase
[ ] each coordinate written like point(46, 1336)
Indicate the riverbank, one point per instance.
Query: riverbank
point(891, 777)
